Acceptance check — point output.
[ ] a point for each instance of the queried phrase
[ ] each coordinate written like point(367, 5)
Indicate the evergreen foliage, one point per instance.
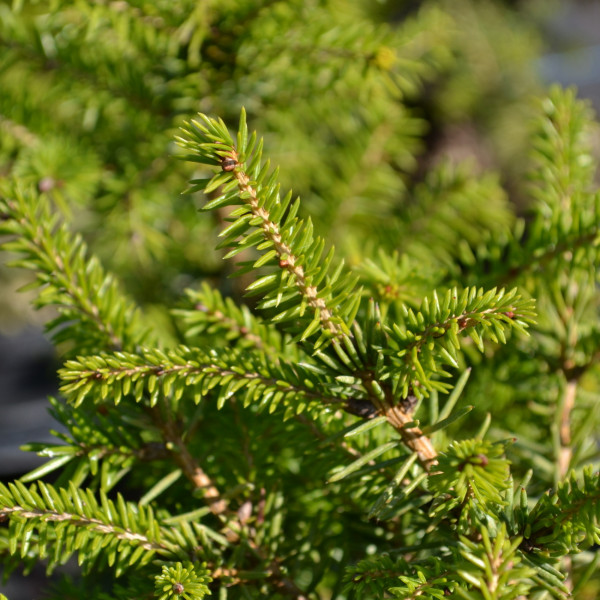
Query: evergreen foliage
point(413, 414)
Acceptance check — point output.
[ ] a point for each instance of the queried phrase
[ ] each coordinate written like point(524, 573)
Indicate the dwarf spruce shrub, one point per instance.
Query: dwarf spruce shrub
point(247, 411)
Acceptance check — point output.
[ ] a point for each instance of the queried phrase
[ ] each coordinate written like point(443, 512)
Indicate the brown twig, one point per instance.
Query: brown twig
point(188, 464)
point(232, 523)
point(399, 417)
point(413, 437)
point(566, 451)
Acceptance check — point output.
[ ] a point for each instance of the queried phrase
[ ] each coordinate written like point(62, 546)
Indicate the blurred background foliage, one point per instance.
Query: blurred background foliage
point(92, 94)
point(404, 127)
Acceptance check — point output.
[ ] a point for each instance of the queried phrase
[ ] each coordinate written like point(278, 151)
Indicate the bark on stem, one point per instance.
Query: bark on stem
point(566, 454)
point(398, 418)
point(188, 464)
point(566, 451)
point(413, 437)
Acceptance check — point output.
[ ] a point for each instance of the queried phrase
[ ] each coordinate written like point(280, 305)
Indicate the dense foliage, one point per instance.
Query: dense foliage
point(413, 414)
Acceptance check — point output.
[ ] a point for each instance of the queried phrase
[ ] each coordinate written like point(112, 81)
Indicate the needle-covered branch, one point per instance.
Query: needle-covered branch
point(93, 311)
point(303, 289)
point(425, 341)
point(153, 374)
point(56, 523)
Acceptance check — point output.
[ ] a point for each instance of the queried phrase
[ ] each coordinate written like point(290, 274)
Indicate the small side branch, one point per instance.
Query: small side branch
point(188, 464)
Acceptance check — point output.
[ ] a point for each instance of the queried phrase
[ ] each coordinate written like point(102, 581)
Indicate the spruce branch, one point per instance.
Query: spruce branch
point(562, 144)
point(209, 315)
point(154, 374)
point(395, 62)
point(425, 340)
point(565, 227)
point(184, 582)
point(67, 278)
point(567, 520)
point(227, 498)
point(289, 242)
point(533, 255)
point(414, 354)
point(69, 520)
point(288, 260)
point(495, 570)
point(232, 523)
point(83, 294)
point(566, 405)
